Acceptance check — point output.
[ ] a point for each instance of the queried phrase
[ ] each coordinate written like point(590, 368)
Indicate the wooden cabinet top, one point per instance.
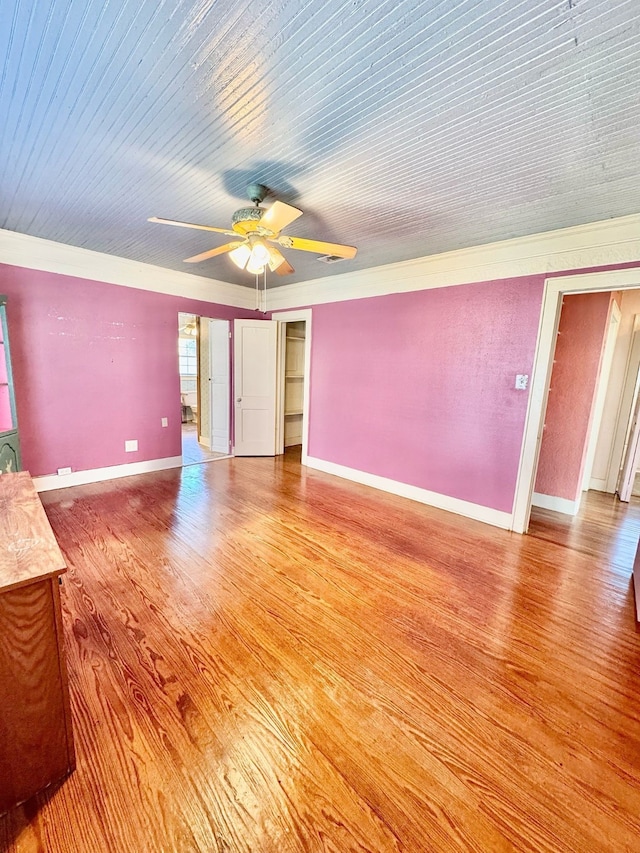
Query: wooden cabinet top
point(28, 548)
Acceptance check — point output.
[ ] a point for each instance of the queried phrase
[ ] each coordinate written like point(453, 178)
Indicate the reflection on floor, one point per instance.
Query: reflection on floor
point(264, 658)
point(605, 529)
point(192, 451)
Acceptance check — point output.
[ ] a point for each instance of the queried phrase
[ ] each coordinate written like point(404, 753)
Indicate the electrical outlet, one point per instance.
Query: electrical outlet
point(165, 422)
point(62, 471)
point(131, 445)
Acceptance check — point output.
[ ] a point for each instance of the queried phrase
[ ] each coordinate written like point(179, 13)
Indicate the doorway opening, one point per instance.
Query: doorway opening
point(594, 419)
point(203, 357)
point(294, 378)
point(293, 382)
point(555, 290)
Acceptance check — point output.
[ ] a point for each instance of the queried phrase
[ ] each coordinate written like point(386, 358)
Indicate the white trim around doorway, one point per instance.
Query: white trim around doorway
point(554, 290)
point(303, 314)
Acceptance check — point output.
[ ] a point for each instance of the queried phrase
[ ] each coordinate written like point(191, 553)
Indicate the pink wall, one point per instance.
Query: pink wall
point(419, 387)
point(582, 330)
point(94, 364)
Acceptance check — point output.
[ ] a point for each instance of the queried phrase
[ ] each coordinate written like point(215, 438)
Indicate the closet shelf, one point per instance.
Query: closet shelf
point(294, 375)
point(293, 412)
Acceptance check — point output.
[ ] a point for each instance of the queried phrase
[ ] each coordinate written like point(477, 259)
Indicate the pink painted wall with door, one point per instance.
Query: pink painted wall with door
point(94, 364)
point(581, 338)
point(420, 387)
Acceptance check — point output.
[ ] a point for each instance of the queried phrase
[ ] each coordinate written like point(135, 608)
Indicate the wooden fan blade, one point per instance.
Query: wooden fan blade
point(279, 216)
point(191, 225)
point(220, 250)
point(316, 246)
point(284, 267)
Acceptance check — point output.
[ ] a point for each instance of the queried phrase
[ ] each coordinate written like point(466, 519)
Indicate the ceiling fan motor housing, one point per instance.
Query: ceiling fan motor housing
point(244, 220)
point(257, 193)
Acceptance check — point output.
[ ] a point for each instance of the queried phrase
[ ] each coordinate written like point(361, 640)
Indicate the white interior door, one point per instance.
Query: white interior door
point(631, 457)
point(601, 392)
point(219, 385)
point(254, 381)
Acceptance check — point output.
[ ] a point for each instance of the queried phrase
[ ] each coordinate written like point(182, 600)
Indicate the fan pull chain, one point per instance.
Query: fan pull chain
point(261, 293)
point(264, 301)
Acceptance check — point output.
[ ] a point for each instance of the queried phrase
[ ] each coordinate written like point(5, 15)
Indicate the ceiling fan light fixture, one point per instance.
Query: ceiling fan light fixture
point(240, 256)
point(260, 254)
point(275, 261)
point(252, 227)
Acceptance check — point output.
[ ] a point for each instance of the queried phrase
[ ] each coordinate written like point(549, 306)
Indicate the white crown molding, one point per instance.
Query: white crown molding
point(21, 250)
point(562, 505)
point(612, 241)
point(48, 482)
point(414, 493)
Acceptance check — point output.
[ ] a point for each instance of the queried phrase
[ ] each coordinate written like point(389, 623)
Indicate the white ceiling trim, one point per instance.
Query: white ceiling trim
point(21, 250)
point(612, 241)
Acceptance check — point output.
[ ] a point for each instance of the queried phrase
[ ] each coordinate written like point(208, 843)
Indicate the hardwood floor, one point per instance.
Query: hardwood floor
point(264, 658)
point(192, 451)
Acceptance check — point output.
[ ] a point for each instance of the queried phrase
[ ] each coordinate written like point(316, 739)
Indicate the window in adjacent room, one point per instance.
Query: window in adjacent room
point(188, 356)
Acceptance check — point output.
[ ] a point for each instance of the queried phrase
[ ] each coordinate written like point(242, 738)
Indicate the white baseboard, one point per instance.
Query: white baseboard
point(48, 482)
point(555, 504)
point(414, 493)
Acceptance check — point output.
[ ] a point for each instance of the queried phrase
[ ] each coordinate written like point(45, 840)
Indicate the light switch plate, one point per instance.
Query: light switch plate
point(165, 422)
point(522, 380)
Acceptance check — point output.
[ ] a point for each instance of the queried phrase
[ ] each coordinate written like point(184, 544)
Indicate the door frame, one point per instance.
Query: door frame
point(554, 290)
point(292, 317)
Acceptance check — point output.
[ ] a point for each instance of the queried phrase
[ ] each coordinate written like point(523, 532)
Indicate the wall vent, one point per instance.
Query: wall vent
point(331, 259)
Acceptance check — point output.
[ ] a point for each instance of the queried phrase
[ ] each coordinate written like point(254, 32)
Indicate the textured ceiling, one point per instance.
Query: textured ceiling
point(405, 128)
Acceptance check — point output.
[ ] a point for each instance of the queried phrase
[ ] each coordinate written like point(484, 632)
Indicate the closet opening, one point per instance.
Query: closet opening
point(294, 371)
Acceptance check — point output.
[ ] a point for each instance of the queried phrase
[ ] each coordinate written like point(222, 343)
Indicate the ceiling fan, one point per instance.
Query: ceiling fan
point(254, 229)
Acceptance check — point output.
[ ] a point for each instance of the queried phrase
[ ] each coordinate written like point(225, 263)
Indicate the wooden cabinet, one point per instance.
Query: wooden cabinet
point(636, 582)
point(36, 741)
point(9, 447)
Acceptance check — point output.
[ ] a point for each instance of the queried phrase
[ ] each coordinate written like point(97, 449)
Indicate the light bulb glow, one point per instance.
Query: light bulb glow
point(259, 253)
point(240, 256)
point(253, 268)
